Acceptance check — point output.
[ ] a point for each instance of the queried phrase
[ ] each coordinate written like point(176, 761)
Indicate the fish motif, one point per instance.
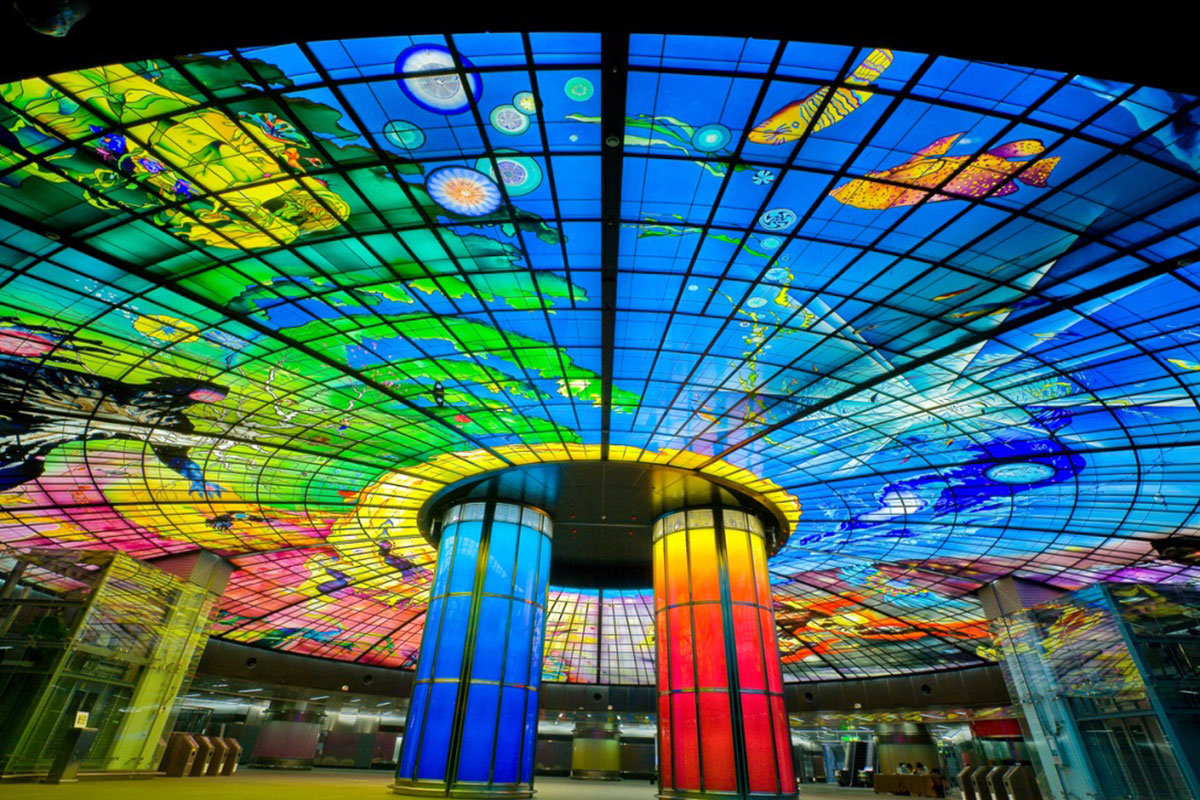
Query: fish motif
point(791, 122)
point(990, 173)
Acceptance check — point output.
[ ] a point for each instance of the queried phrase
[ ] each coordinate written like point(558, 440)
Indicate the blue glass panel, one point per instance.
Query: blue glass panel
point(510, 738)
point(521, 641)
point(412, 730)
point(466, 552)
point(479, 732)
point(454, 632)
point(428, 643)
point(442, 573)
point(528, 558)
point(530, 735)
point(490, 638)
point(502, 552)
point(435, 737)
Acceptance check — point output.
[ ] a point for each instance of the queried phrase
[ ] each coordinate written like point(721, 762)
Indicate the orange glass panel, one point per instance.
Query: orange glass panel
point(676, 568)
point(705, 578)
point(660, 594)
point(749, 649)
point(741, 566)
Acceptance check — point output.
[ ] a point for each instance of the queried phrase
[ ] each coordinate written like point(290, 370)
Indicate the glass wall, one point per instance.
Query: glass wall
point(104, 635)
point(1108, 678)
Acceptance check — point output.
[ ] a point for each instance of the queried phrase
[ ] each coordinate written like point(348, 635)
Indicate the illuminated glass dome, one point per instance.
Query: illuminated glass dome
point(269, 301)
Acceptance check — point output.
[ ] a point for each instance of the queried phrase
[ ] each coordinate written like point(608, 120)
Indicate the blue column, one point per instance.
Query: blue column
point(472, 722)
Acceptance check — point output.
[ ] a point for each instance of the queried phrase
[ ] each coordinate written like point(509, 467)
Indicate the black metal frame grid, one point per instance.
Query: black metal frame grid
point(1057, 295)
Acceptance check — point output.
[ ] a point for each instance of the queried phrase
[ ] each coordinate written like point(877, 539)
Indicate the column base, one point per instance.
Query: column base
point(692, 794)
point(595, 775)
point(462, 791)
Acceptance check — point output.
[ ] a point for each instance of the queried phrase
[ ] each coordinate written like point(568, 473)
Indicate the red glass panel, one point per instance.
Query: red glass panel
point(783, 744)
point(710, 661)
point(717, 742)
point(773, 670)
point(679, 648)
point(760, 746)
point(749, 649)
point(685, 741)
point(664, 734)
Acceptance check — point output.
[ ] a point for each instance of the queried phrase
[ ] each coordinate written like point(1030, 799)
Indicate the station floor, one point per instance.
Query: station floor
point(342, 784)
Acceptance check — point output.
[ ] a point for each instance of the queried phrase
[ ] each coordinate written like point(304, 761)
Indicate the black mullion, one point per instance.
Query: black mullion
point(507, 204)
point(454, 751)
point(614, 64)
point(733, 160)
point(732, 672)
point(527, 43)
point(435, 647)
point(1112, 153)
point(434, 228)
point(800, 580)
point(884, 117)
point(147, 275)
point(1109, 155)
point(544, 540)
point(759, 605)
point(707, 226)
point(339, 169)
point(1130, 279)
point(660, 678)
point(690, 605)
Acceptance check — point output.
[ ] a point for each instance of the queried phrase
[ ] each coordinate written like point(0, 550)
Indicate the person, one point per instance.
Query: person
point(903, 769)
point(921, 769)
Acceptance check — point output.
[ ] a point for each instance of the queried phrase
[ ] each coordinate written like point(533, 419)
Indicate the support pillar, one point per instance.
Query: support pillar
point(472, 722)
point(596, 751)
point(723, 728)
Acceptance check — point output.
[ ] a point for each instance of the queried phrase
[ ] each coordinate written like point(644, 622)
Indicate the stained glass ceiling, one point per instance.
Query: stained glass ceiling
point(266, 301)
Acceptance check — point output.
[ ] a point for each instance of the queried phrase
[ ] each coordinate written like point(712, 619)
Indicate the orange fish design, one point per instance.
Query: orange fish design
point(986, 174)
point(791, 122)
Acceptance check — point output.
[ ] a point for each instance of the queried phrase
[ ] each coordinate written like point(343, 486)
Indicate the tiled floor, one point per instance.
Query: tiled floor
point(339, 784)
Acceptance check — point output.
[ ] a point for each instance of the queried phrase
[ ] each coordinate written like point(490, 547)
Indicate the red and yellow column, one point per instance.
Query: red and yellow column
point(723, 728)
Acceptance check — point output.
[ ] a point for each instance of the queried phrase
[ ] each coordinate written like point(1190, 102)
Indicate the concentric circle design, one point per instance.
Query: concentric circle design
point(404, 134)
point(508, 120)
point(579, 89)
point(710, 138)
point(520, 174)
point(441, 93)
point(525, 102)
point(463, 191)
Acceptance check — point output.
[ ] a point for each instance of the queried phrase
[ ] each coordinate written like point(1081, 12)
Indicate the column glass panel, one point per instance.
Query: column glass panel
point(472, 723)
point(722, 725)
